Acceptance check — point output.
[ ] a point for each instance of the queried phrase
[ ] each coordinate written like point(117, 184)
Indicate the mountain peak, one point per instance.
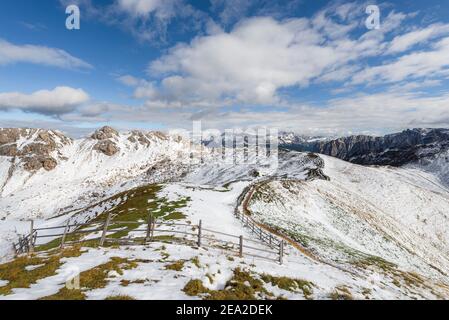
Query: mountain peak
point(34, 147)
point(104, 133)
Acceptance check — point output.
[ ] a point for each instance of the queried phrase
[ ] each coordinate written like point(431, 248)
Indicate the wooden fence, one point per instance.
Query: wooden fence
point(153, 230)
point(264, 235)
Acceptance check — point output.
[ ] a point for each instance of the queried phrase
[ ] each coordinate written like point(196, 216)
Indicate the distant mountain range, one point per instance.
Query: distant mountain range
point(425, 148)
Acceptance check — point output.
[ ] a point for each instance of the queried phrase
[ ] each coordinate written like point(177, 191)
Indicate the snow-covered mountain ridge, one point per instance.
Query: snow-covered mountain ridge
point(376, 232)
point(81, 170)
point(424, 148)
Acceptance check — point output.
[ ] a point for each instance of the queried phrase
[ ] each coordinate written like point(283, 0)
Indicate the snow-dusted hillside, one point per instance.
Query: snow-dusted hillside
point(356, 231)
point(82, 172)
point(363, 214)
point(87, 170)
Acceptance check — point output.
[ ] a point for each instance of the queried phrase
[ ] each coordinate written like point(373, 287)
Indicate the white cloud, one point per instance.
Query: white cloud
point(11, 53)
point(249, 65)
point(419, 36)
point(143, 8)
point(428, 63)
point(377, 113)
point(147, 20)
point(252, 62)
point(260, 56)
point(50, 102)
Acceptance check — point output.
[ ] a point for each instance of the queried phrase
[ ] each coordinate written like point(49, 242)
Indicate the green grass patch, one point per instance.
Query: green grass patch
point(175, 266)
point(18, 276)
point(242, 286)
point(292, 285)
point(94, 278)
point(134, 206)
point(174, 216)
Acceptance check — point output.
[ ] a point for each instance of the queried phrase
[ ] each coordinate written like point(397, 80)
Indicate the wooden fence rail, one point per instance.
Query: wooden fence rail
point(265, 236)
point(26, 244)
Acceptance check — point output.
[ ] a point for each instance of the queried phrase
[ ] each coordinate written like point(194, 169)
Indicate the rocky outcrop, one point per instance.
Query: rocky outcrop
point(145, 138)
point(106, 144)
point(37, 163)
point(35, 148)
point(107, 147)
point(105, 133)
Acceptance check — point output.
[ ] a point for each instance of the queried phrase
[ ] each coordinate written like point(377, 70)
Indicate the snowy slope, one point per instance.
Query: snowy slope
point(379, 232)
point(149, 278)
point(437, 164)
point(399, 215)
point(84, 175)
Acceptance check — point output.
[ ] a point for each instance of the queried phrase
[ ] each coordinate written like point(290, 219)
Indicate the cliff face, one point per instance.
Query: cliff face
point(410, 146)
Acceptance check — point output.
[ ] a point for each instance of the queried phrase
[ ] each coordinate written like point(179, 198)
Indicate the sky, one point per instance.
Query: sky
point(311, 66)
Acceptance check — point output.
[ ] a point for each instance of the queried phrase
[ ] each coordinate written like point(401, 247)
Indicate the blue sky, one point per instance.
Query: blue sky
point(302, 65)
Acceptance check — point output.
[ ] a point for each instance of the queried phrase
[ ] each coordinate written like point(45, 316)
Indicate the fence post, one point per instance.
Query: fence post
point(105, 229)
point(241, 247)
point(281, 252)
point(31, 244)
point(153, 226)
point(150, 223)
point(65, 234)
point(199, 234)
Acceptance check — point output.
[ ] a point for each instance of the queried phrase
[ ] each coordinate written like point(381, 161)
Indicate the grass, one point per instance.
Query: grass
point(66, 295)
point(242, 286)
point(139, 203)
point(292, 285)
point(341, 293)
point(378, 262)
point(134, 206)
point(56, 243)
point(196, 262)
point(165, 238)
point(174, 216)
point(18, 277)
point(175, 266)
point(399, 278)
point(120, 297)
point(95, 278)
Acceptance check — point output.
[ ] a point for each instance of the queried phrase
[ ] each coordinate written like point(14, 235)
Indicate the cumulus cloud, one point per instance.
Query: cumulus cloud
point(11, 53)
point(49, 102)
point(247, 65)
point(262, 55)
point(236, 75)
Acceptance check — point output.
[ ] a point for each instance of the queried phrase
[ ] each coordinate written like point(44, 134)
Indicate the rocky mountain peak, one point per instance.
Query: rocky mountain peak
point(105, 133)
point(106, 144)
point(35, 148)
